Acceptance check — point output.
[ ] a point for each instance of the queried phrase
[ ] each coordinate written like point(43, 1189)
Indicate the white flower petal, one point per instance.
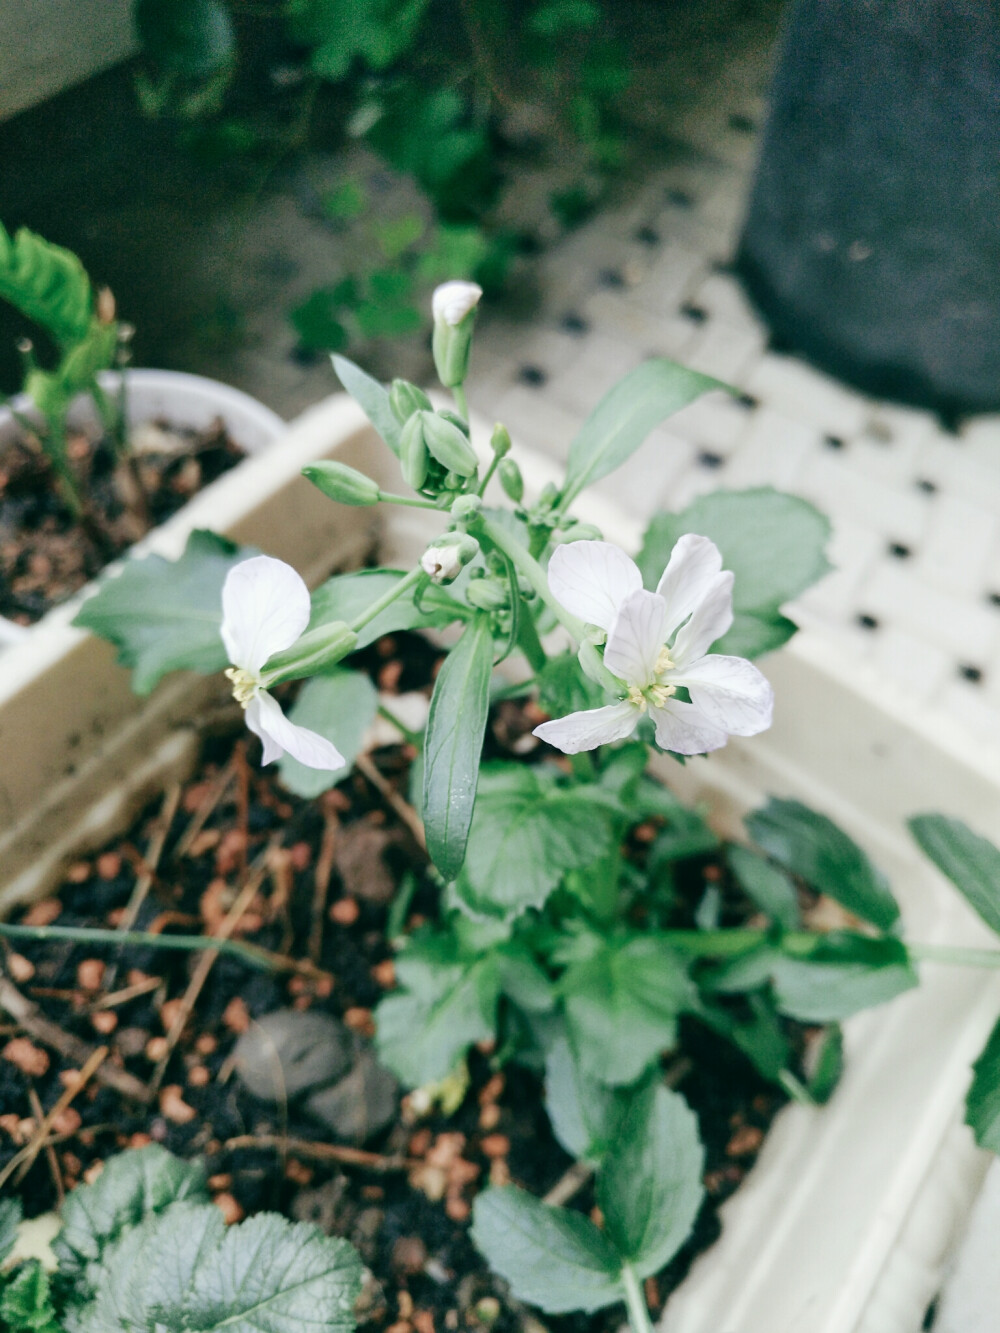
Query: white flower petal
point(636, 638)
point(683, 729)
point(592, 579)
point(694, 563)
point(266, 720)
point(591, 728)
point(711, 618)
point(730, 692)
point(265, 607)
point(452, 301)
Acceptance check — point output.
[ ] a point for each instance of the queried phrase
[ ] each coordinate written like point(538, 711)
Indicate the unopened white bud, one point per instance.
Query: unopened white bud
point(446, 560)
point(452, 301)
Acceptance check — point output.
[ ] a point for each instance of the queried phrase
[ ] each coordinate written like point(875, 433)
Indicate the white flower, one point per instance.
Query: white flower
point(656, 643)
point(265, 608)
point(452, 301)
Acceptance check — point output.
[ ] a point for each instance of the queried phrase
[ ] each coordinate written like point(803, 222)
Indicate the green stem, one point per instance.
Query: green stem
point(796, 1089)
point(461, 402)
point(390, 498)
point(532, 571)
point(494, 464)
point(246, 953)
point(638, 1314)
point(953, 953)
point(414, 738)
point(387, 598)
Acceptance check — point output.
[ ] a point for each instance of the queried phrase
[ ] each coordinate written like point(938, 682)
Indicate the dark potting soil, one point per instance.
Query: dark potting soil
point(326, 873)
point(46, 554)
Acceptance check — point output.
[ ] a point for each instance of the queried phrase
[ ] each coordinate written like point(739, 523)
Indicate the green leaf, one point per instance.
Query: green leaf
point(193, 38)
point(971, 863)
point(982, 1105)
point(827, 1064)
point(522, 980)
point(131, 1186)
point(767, 886)
point(346, 596)
point(10, 1220)
point(318, 321)
point(563, 688)
point(814, 848)
point(622, 1006)
point(649, 1187)
point(842, 974)
point(586, 1114)
point(447, 1001)
point(184, 1270)
point(760, 1038)
point(345, 201)
point(551, 1257)
point(526, 836)
point(371, 397)
point(625, 416)
point(453, 744)
point(773, 543)
point(26, 1301)
point(397, 234)
point(47, 284)
point(340, 706)
point(165, 615)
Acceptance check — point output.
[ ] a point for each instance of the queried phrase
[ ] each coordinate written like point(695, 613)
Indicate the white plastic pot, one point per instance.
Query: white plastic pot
point(186, 401)
point(843, 1225)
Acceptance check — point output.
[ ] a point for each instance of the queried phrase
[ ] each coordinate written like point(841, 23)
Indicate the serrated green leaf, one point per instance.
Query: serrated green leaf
point(767, 886)
point(622, 1005)
point(346, 596)
point(774, 544)
point(184, 1270)
point(524, 839)
point(971, 863)
point(372, 398)
point(47, 283)
point(131, 1186)
point(340, 705)
point(10, 1219)
point(814, 848)
point(553, 1258)
point(982, 1105)
point(649, 1186)
point(453, 745)
point(586, 1114)
point(26, 1301)
point(625, 416)
point(447, 1001)
point(165, 615)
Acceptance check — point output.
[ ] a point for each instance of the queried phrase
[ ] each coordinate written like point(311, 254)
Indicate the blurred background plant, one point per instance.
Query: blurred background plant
point(450, 94)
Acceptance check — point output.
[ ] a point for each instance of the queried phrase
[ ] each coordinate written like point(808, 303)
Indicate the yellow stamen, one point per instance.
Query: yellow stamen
point(635, 696)
point(664, 662)
point(659, 694)
point(245, 685)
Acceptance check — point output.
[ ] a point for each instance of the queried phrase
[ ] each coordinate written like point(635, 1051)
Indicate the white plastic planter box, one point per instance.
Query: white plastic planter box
point(843, 1225)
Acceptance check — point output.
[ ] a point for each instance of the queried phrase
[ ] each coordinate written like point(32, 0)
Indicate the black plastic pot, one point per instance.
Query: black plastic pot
point(872, 240)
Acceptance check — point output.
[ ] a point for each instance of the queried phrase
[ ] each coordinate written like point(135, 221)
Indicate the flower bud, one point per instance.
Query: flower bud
point(445, 559)
point(576, 532)
point(488, 594)
point(500, 440)
point(454, 307)
point(455, 420)
point(466, 506)
point(511, 480)
point(413, 456)
point(311, 654)
point(549, 495)
point(405, 399)
point(448, 444)
point(342, 483)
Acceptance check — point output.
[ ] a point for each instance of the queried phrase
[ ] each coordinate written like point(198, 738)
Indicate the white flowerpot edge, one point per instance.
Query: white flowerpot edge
point(843, 1224)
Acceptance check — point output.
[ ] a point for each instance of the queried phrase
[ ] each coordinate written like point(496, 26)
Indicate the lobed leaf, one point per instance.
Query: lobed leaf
point(586, 1115)
point(346, 596)
point(26, 1301)
point(47, 284)
point(165, 615)
point(774, 544)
